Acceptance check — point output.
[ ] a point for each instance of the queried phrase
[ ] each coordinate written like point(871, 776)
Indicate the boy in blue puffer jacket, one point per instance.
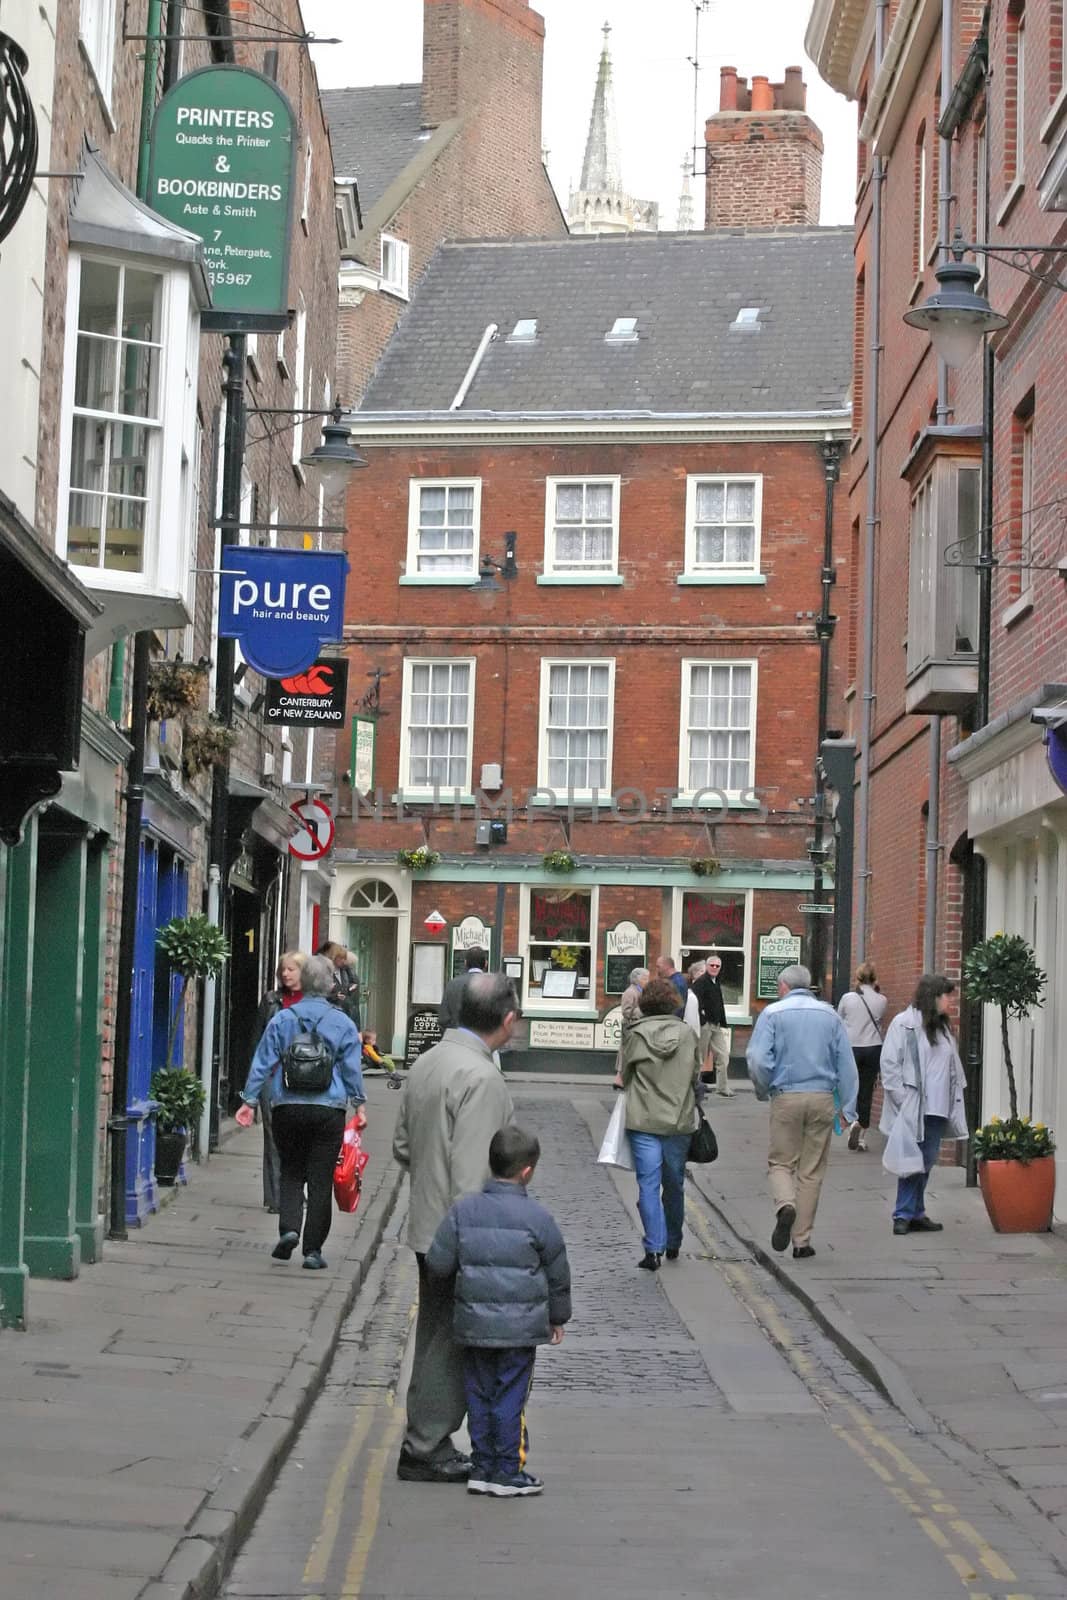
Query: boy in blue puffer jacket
point(513, 1292)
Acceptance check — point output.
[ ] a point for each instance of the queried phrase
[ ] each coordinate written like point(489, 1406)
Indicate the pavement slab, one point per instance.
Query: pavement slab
point(168, 1379)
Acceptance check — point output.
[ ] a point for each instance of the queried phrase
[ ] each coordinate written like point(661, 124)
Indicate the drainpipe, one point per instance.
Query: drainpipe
point(471, 372)
point(207, 1023)
point(863, 870)
point(944, 415)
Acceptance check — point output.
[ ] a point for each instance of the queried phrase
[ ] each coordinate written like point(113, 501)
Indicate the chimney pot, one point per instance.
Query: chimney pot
point(794, 90)
point(728, 89)
point(762, 94)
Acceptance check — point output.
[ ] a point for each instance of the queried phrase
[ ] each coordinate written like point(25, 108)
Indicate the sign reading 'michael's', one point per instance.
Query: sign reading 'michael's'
point(223, 153)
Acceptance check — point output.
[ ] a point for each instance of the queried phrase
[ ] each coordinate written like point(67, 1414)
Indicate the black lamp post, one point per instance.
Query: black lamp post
point(488, 568)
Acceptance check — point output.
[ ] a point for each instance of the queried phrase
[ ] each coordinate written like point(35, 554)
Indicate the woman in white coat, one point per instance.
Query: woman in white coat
point(923, 1084)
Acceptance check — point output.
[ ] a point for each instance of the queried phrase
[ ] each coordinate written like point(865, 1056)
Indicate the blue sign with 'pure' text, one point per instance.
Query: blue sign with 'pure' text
point(281, 605)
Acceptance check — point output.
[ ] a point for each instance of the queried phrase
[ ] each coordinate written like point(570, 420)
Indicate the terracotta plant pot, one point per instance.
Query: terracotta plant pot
point(1018, 1194)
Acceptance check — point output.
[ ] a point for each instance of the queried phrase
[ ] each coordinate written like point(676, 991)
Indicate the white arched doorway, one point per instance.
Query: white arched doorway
point(371, 912)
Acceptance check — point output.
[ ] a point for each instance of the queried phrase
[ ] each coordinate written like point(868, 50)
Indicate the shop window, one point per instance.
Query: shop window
point(560, 947)
point(443, 527)
point(436, 733)
point(719, 923)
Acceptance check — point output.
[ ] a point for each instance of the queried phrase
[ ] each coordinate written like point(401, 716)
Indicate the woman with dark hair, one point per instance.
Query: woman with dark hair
point(923, 1082)
point(660, 1075)
point(289, 975)
point(862, 1010)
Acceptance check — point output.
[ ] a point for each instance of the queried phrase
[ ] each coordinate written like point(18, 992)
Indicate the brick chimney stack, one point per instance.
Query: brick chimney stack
point(764, 154)
point(477, 50)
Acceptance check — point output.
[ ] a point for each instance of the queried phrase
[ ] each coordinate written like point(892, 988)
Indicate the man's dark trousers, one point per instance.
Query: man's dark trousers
point(498, 1387)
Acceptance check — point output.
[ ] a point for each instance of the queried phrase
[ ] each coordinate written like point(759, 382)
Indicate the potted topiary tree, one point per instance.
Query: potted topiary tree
point(195, 948)
point(1016, 1169)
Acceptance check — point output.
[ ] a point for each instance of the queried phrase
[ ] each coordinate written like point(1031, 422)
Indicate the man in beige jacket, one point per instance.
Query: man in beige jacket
point(454, 1102)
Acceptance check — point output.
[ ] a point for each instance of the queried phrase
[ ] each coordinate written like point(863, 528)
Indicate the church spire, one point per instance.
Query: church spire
point(602, 168)
point(600, 204)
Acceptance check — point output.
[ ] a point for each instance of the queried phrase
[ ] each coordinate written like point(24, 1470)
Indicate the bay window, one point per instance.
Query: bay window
point(942, 639)
point(128, 428)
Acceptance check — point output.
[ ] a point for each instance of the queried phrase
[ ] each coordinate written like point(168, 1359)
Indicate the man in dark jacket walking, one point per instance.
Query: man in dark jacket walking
point(512, 1293)
point(714, 1032)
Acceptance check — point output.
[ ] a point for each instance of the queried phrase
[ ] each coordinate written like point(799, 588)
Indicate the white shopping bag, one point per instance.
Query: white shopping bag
point(615, 1149)
point(902, 1155)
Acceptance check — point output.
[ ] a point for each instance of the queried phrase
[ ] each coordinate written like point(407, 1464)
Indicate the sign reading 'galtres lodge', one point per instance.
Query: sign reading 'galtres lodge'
point(222, 166)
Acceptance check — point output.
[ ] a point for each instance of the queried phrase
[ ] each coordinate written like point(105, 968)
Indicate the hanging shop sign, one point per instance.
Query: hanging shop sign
point(1056, 750)
point(311, 699)
point(313, 838)
point(282, 605)
point(223, 166)
point(364, 736)
point(777, 950)
point(625, 947)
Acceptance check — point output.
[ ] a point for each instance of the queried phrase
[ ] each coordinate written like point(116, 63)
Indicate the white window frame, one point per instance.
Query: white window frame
point(395, 281)
point(741, 1013)
point(583, 574)
point(406, 787)
point(532, 1004)
point(547, 663)
point(167, 550)
point(97, 26)
point(693, 483)
point(686, 791)
point(444, 575)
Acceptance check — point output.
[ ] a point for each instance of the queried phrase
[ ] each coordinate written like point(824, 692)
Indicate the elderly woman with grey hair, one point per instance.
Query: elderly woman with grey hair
point(631, 1013)
point(309, 1120)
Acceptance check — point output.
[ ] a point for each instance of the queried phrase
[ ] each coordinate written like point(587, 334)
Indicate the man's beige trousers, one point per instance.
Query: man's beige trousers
point(802, 1126)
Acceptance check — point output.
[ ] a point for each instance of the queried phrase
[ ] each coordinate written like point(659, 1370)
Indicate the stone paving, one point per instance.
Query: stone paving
point(673, 1468)
point(143, 1413)
point(968, 1328)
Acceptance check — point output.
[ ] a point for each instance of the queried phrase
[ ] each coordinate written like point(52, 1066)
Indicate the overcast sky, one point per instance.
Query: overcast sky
point(650, 43)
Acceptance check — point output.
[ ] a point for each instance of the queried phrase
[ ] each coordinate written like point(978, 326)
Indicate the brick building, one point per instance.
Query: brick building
point(641, 421)
point(763, 154)
point(457, 156)
point(964, 129)
point(108, 469)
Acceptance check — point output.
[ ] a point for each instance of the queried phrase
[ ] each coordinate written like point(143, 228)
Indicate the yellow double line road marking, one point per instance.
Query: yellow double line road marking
point(866, 1440)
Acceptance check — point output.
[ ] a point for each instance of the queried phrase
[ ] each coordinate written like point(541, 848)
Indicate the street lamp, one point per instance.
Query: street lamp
point(956, 317)
point(329, 464)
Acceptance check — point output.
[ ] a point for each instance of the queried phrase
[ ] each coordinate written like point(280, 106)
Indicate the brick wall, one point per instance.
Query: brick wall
point(764, 155)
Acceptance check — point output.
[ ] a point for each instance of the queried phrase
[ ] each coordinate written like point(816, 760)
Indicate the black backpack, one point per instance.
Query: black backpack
point(307, 1062)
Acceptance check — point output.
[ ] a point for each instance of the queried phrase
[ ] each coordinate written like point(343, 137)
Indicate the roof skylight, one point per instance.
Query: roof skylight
point(524, 331)
point(748, 319)
point(622, 331)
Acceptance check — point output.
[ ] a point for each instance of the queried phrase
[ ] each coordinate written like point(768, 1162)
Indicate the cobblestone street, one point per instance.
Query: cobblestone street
point(696, 1432)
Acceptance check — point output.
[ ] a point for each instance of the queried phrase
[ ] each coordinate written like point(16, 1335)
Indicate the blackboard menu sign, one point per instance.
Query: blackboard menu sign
point(625, 948)
point(424, 1030)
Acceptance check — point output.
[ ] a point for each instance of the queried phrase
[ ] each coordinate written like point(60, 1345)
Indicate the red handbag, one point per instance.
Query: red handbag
point(351, 1161)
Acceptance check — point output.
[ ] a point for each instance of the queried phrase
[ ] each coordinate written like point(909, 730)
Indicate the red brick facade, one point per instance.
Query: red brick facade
point(640, 864)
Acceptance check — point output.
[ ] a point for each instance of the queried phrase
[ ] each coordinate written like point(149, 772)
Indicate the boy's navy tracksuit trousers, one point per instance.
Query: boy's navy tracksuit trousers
point(498, 1386)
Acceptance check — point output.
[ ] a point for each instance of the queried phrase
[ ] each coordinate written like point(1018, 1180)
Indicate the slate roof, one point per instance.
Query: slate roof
point(685, 291)
point(374, 133)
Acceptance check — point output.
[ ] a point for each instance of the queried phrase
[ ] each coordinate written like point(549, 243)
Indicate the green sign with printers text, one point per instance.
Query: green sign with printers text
point(222, 166)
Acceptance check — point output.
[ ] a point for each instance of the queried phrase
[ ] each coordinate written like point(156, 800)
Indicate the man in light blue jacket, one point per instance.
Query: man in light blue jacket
point(800, 1059)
